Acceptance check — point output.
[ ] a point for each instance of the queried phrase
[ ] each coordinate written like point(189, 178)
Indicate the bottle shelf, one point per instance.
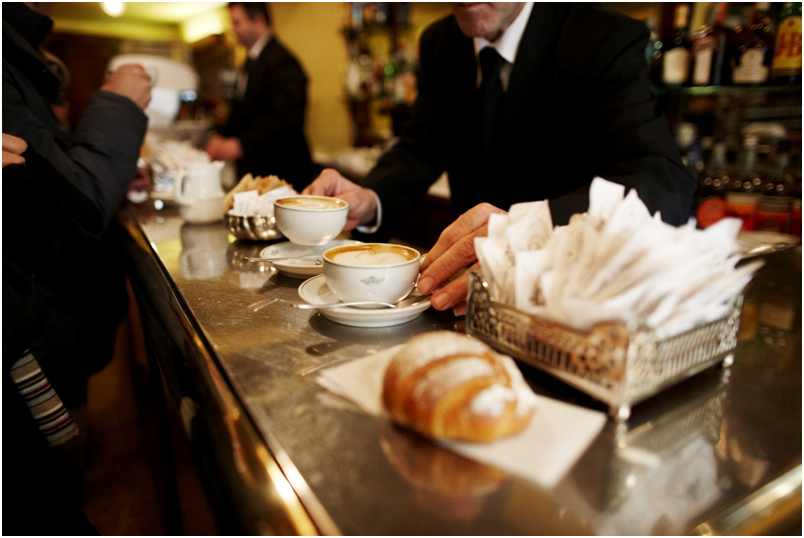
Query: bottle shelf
point(352, 32)
point(729, 90)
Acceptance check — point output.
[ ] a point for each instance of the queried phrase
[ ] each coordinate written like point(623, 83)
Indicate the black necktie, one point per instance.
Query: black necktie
point(248, 65)
point(242, 79)
point(491, 94)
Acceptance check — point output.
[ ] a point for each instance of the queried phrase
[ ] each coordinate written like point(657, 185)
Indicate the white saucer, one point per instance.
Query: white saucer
point(315, 291)
point(305, 265)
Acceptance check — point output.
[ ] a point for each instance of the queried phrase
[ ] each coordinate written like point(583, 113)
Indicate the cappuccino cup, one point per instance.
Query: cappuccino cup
point(371, 271)
point(310, 220)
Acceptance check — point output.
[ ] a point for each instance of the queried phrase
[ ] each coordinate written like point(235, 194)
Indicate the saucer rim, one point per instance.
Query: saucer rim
point(364, 317)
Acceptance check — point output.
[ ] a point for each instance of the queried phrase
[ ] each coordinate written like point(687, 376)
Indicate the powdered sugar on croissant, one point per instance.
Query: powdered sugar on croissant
point(451, 386)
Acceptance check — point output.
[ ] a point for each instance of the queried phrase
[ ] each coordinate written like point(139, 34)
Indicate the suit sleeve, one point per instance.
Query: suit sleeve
point(102, 159)
point(403, 174)
point(287, 90)
point(627, 135)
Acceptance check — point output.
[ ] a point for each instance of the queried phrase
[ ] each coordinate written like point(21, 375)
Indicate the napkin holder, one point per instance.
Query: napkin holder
point(617, 363)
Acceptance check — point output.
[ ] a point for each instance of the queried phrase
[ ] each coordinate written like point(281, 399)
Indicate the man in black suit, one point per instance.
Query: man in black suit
point(566, 97)
point(265, 130)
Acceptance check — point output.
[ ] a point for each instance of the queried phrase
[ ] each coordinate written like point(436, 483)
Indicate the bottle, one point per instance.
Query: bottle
point(653, 55)
point(795, 213)
point(735, 34)
point(355, 15)
point(795, 193)
point(743, 195)
point(405, 81)
point(709, 50)
point(676, 51)
point(369, 10)
point(752, 55)
point(786, 67)
point(711, 202)
point(776, 204)
point(762, 26)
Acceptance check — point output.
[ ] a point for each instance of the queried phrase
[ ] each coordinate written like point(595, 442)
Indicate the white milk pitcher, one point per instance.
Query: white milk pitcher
point(197, 189)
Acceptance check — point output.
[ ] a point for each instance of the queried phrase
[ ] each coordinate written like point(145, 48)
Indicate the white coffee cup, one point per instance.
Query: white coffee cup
point(310, 220)
point(197, 189)
point(371, 271)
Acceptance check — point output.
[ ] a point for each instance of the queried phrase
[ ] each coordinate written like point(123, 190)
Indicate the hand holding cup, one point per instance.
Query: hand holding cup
point(131, 81)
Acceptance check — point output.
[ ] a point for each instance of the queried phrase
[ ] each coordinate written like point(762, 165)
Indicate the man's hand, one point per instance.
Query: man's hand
point(131, 81)
point(13, 148)
point(224, 149)
point(362, 202)
point(453, 252)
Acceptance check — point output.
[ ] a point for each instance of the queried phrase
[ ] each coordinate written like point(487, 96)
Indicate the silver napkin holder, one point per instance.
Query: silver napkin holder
point(617, 363)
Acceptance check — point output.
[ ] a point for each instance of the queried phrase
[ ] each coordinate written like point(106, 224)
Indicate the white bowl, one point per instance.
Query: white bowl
point(310, 220)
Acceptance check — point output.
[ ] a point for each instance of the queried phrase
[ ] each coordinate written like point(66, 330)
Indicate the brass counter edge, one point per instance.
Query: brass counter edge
point(761, 512)
point(269, 481)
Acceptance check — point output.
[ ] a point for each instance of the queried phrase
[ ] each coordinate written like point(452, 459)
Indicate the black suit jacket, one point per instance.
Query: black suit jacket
point(269, 120)
point(578, 105)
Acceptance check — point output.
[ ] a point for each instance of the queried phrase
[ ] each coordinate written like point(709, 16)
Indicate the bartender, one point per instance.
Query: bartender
point(264, 134)
point(515, 105)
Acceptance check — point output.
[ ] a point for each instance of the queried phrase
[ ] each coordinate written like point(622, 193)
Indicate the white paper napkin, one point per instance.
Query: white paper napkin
point(252, 203)
point(556, 437)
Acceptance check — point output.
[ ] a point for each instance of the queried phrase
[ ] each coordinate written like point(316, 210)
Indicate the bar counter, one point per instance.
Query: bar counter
point(719, 453)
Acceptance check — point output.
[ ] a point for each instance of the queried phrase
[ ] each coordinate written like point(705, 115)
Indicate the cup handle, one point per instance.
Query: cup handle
point(178, 187)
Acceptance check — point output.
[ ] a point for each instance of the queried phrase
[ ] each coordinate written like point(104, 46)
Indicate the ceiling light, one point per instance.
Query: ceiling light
point(113, 9)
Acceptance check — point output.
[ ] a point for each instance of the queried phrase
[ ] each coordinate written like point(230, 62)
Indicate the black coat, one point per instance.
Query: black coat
point(63, 288)
point(100, 157)
point(66, 284)
point(269, 120)
point(578, 105)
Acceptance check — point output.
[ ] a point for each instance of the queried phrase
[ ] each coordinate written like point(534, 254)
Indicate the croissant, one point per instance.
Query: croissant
point(451, 386)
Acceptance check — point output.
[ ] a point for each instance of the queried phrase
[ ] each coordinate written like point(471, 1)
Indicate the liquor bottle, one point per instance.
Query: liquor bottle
point(676, 50)
point(752, 55)
point(762, 26)
point(405, 81)
point(355, 17)
point(736, 34)
point(709, 50)
point(787, 54)
point(743, 193)
point(795, 213)
point(711, 198)
point(774, 210)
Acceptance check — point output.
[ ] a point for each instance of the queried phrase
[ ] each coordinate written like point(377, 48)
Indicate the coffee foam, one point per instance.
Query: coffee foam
point(372, 255)
point(311, 203)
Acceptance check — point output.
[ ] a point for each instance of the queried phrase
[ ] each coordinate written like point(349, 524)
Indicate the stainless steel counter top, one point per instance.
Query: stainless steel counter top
point(719, 453)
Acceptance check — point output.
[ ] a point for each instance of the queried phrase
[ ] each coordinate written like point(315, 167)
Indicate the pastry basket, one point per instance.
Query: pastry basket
point(619, 364)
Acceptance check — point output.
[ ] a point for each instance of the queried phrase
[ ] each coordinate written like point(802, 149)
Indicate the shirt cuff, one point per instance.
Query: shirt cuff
point(372, 228)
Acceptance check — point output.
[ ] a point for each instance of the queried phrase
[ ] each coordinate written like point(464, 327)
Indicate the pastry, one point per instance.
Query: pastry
point(452, 386)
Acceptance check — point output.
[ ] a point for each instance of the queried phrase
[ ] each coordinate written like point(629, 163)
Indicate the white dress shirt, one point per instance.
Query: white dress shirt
point(507, 45)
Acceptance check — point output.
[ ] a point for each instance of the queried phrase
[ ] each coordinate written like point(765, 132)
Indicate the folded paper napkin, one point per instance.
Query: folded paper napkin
point(176, 155)
point(252, 203)
point(615, 262)
point(556, 437)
